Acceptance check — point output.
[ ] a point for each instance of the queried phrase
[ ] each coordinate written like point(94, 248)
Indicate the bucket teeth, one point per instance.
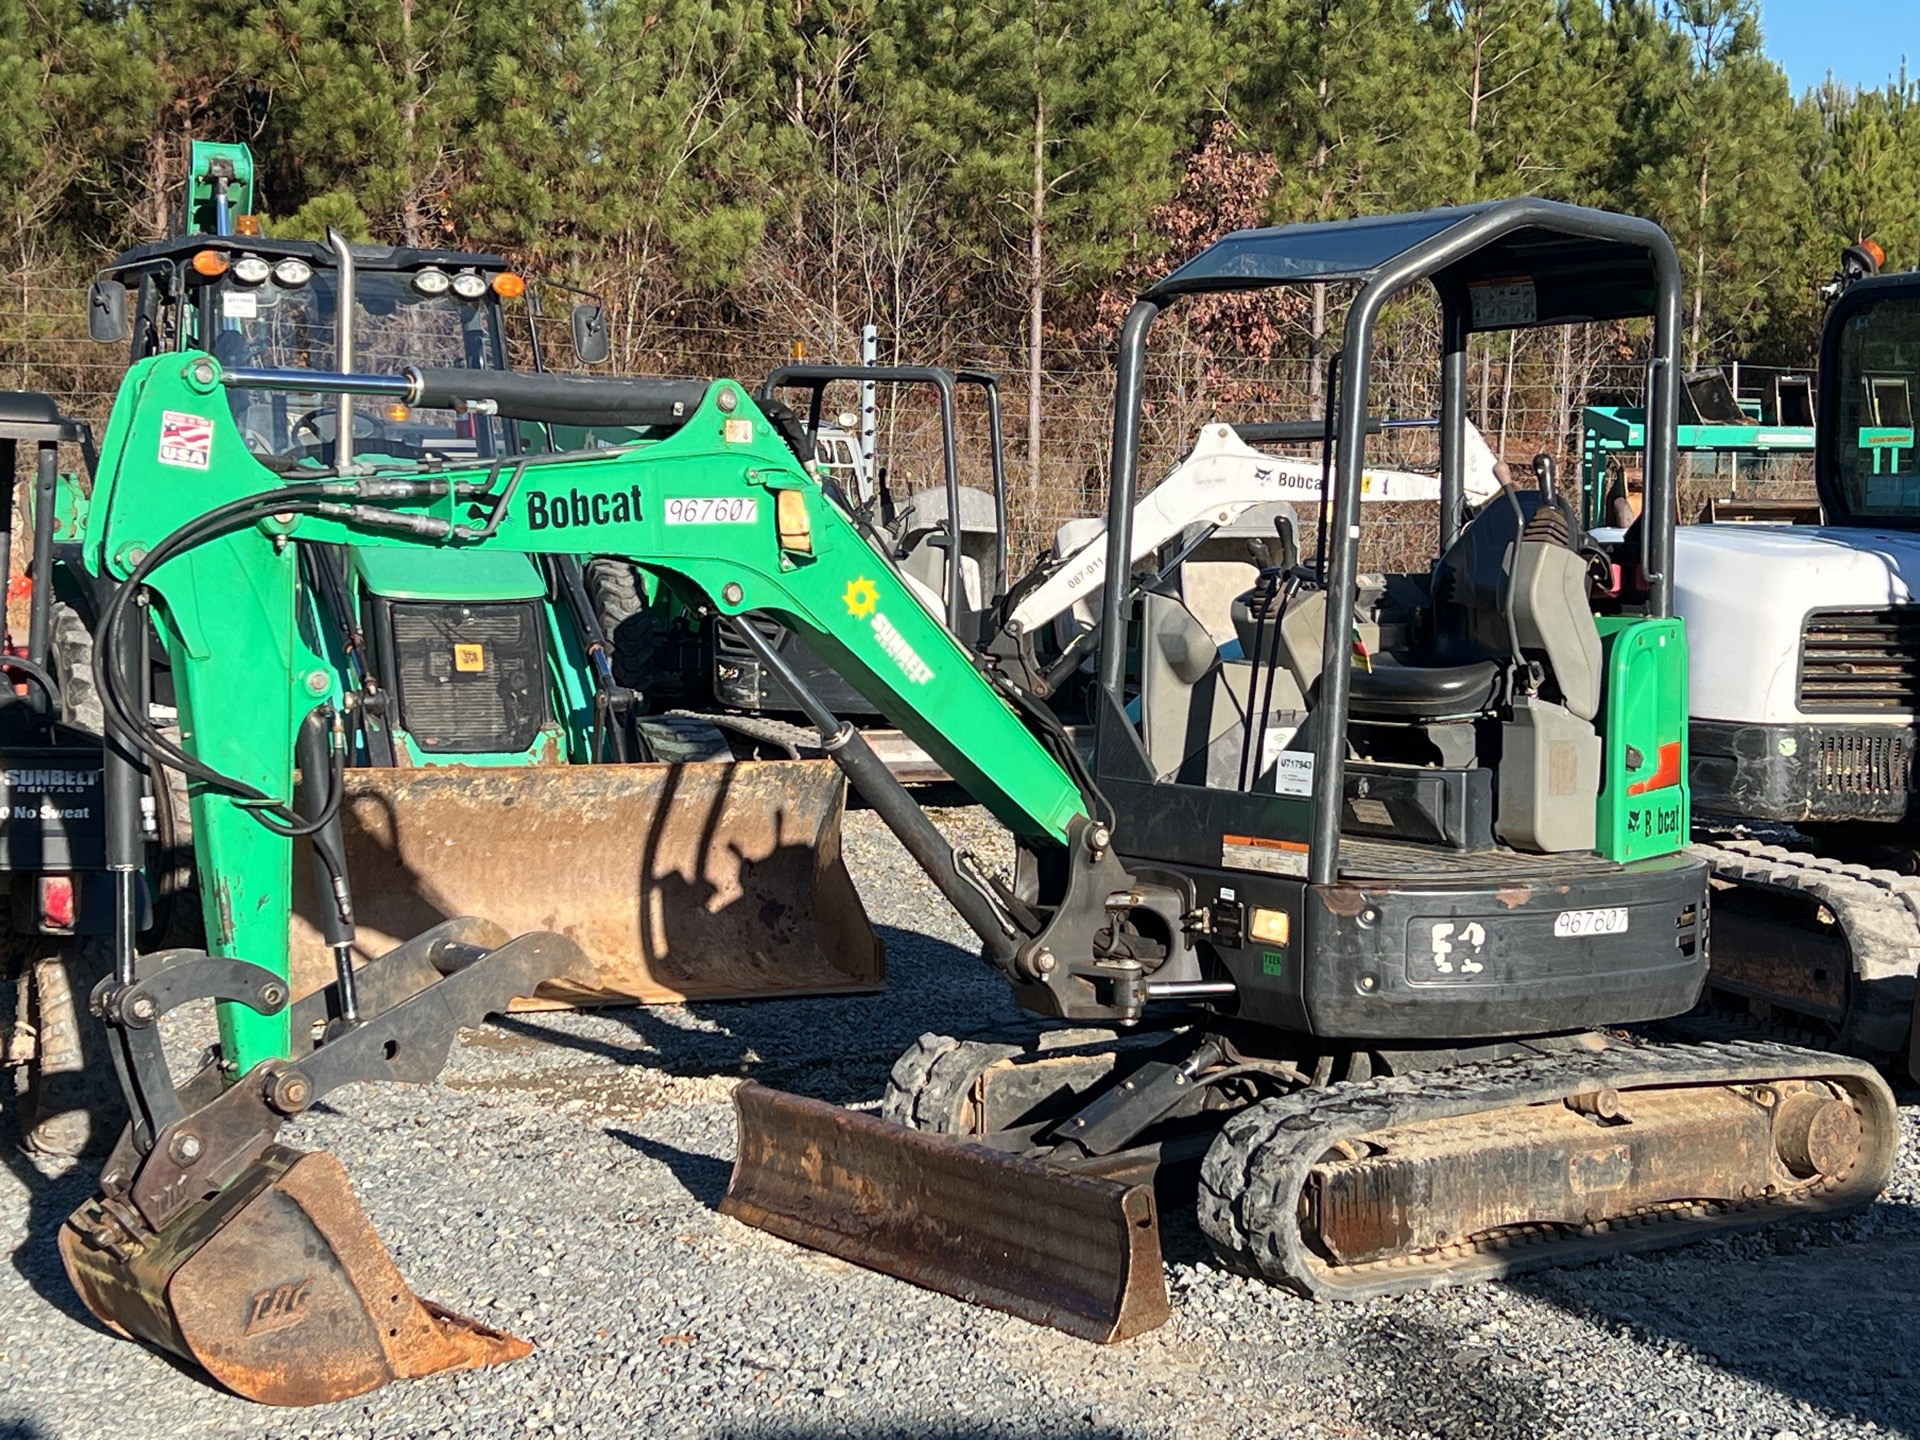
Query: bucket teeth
point(255, 1261)
point(278, 1287)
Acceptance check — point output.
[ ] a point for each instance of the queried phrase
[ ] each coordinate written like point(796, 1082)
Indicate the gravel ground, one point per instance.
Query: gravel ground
point(560, 1181)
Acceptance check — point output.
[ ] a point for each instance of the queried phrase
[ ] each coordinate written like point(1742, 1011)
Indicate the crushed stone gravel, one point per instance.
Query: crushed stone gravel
point(559, 1180)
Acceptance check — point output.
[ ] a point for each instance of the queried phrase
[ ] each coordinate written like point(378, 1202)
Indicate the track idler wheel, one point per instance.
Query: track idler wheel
point(277, 1287)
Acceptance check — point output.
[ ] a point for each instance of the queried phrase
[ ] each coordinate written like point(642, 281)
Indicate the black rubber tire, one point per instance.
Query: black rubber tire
point(70, 656)
point(684, 739)
point(70, 1104)
point(931, 1087)
point(620, 605)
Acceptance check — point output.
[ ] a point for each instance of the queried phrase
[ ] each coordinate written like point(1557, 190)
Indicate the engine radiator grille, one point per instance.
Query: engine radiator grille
point(1863, 763)
point(470, 678)
point(1861, 660)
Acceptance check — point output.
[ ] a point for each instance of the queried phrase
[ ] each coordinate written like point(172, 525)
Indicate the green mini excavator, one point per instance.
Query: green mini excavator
point(1370, 946)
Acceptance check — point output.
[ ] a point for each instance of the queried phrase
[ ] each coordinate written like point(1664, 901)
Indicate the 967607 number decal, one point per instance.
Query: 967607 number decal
point(1570, 924)
point(713, 510)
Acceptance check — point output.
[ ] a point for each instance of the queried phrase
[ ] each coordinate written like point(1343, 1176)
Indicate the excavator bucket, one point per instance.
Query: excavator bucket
point(214, 1242)
point(705, 881)
point(279, 1288)
point(1077, 1252)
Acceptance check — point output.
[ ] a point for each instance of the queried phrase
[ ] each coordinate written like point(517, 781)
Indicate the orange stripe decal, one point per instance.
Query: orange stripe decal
point(1668, 774)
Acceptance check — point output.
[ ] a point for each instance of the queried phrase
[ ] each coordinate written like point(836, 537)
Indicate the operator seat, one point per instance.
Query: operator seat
point(1490, 614)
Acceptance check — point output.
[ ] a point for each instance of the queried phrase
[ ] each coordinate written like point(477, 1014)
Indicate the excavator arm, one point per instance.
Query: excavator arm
point(212, 1240)
point(719, 501)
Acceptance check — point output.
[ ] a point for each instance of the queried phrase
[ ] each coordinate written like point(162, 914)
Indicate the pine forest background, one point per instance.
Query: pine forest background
point(986, 182)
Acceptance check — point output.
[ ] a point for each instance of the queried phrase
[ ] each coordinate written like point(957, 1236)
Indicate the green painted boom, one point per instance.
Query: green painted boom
point(708, 503)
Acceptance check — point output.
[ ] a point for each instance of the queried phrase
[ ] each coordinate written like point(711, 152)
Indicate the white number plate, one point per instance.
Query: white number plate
point(1590, 922)
point(713, 510)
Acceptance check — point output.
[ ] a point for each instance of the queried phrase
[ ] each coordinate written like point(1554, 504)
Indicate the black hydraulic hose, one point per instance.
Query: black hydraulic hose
point(565, 575)
point(320, 754)
point(39, 674)
point(321, 576)
point(120, 783)
point(1264, 592)
point(1287, 589)
point(125, 714)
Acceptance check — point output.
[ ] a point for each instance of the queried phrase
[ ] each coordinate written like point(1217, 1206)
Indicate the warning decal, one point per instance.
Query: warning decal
point(185, 440)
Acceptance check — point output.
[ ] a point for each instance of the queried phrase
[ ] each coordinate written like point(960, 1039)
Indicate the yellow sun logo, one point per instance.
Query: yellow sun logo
point(862, 597)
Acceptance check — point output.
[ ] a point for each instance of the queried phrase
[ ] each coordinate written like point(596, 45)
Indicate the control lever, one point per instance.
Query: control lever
point(1543, 474)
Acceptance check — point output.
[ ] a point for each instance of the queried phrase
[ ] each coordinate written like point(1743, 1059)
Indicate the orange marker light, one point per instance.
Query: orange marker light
point(395, 413)
point(210, 263)
point(248, 225)
point(509, 286)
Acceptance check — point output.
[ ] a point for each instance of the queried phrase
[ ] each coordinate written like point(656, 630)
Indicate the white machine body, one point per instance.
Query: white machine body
point(1745, 591)
point(1221, 479)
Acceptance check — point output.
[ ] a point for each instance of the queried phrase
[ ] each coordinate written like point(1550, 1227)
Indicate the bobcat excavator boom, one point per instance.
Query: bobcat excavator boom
point(209, 1239)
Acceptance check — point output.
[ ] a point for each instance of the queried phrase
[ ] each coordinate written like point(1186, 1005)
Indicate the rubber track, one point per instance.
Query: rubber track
point(1877, 911)
point(801, 741)
point(1257, 1168)
point(930, 1083)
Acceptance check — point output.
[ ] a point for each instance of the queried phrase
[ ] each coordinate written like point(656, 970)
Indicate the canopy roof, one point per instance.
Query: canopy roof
point(1535, 262)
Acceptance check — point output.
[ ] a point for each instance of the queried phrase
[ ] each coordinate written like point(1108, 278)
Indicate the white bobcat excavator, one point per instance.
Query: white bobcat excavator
point(1223, 487)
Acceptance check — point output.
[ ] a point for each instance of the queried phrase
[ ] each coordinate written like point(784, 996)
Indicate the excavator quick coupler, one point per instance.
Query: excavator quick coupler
point(254, 1261)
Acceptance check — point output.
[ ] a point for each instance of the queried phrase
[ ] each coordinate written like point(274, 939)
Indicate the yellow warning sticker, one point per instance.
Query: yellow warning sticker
point(470, 658)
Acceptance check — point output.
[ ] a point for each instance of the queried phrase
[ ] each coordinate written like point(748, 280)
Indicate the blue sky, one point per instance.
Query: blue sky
point(1860, 43)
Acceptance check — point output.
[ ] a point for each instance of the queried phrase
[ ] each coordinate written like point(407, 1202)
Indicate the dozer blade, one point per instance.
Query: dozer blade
point(278, 1288)
point(694, 881)
point(1078, 1253)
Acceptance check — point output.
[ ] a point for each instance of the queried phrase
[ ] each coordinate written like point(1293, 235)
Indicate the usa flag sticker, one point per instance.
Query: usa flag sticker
point(185, 440)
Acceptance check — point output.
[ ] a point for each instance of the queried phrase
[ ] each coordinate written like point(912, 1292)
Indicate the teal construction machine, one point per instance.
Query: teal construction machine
point(460, 680)
point(1371, 948)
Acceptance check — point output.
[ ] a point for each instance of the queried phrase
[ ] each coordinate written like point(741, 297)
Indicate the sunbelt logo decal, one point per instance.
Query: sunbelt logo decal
point(862, 599)
point(577, 509)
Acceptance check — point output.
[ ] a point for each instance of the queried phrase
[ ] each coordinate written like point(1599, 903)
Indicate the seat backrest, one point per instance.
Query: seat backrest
point(1468, 580)
point(1554, 621)
point(927, 563)
point(1176, 653)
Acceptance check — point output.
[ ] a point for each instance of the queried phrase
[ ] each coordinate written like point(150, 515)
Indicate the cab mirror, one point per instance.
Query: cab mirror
point(107, 311)
point(591, 344)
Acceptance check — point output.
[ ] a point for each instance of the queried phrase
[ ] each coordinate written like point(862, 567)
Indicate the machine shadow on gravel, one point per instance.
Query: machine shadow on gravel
point(50, 1200)
point(701, 1176)
point(833, 1048)
point(1821, 1313)
point(1399, 1359)
point(898, 1431)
